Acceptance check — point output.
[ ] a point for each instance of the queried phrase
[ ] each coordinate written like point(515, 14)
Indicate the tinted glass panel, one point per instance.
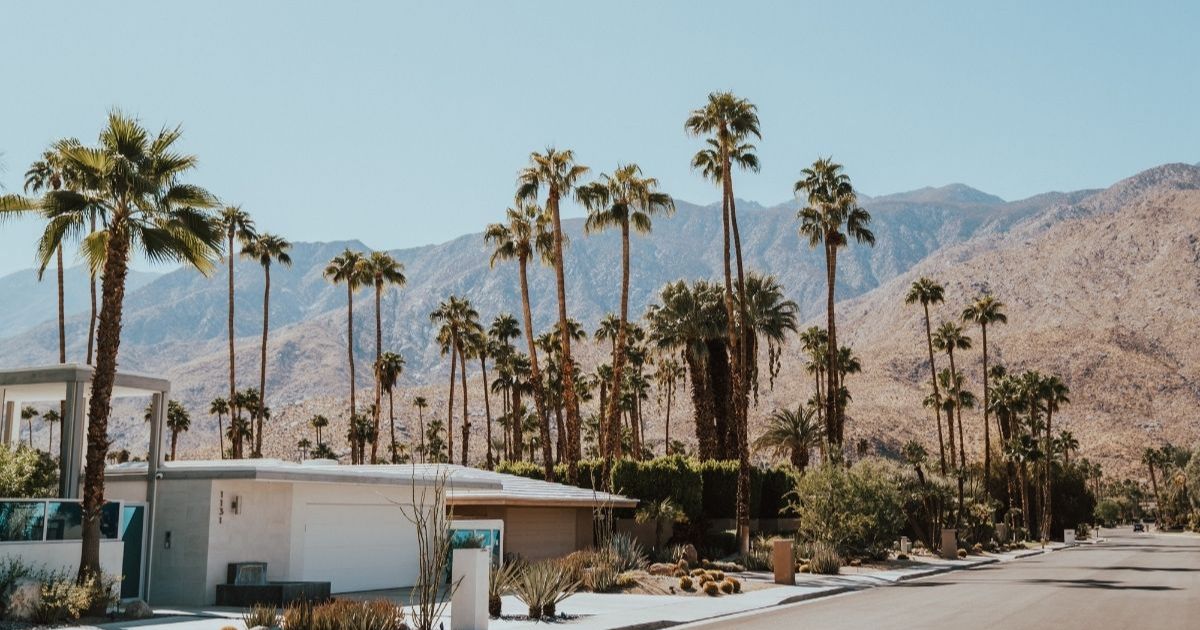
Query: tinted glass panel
point(21, 521)
point(65, 521)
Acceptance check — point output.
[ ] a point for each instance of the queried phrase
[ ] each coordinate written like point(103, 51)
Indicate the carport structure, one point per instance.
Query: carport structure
point(70, 384)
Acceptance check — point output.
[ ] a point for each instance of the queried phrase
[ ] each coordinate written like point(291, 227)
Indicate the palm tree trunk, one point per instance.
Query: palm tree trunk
point(232, 356)
point(539, 398)
point(450, 401)
point(378, 355)
point(350, 356)
point(987, 438)
point(487, 409)
point(262, 367)
point(421, 434)
point(957, 411)
point(667, 430)
point(392, 423)
point(1026, 509)
point(221, 435)
point(832, 395)
point(568, 365)
point(1049, 468)
point(174, 441)
point(611, 423)
point(466, 425)
point(62, 316)
point(92, 316)
point(100, 404)
point(937, 408)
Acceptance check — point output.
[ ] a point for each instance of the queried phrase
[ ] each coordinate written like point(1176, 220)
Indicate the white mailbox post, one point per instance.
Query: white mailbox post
point(468, 606)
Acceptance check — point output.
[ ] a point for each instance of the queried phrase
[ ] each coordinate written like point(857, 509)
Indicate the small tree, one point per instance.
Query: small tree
point(659, 513)
point(431, 520)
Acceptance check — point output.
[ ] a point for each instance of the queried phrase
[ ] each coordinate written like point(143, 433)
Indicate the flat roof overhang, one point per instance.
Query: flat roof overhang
point(48, 383)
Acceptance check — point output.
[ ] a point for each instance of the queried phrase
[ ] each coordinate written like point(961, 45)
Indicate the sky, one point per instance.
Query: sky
point(405, 123)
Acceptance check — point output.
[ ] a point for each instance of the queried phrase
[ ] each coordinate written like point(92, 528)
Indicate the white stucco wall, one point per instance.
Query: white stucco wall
point(63, 555)
point(260, 532)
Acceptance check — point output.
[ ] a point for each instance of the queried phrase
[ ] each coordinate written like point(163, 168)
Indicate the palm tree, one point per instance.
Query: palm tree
point(28, 413)
point(1152, 457)
point(265, 248)
point(219, 407)
point(52, 416)
point(830, 219)
point(482, 347)
point(770, 315)
point(421, 404)
point(458, 321)
point(948, 338)
point(660, 512)
point(794, 433)
point(304, 445)
point(1066, 443)
point(178, 421)
point(926, 291)
point(137, 185)
point(526, 233)
point(667, 376)
point(349, 268)
point(985, 310)
point(237, 225)
point(46, 174)
point(623, 200)
point(388, 368)
point(558, 173)
point(384, 271)
point(319, 422)
point(730, 121)
point(1054, 393)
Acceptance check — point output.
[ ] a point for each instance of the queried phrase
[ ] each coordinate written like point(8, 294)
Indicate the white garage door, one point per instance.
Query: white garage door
point(359, 547)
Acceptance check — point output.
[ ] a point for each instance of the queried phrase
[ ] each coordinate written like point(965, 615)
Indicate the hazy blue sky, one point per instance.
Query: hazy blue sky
point(405, 123)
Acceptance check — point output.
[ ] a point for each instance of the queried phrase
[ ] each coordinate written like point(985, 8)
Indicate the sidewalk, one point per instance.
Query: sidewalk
point(593, 611)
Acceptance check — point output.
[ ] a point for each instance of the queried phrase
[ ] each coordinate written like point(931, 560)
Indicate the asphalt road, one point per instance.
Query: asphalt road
point(1135, 581)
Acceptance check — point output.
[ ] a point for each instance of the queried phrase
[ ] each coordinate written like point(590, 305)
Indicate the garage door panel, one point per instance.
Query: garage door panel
point(359, 547)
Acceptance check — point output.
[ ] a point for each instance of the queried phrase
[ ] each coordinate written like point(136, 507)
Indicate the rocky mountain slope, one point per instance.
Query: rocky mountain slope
point(1099, 286)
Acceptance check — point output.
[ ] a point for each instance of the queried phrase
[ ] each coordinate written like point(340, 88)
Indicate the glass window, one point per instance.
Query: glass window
point(65, 521)
point(21, 520)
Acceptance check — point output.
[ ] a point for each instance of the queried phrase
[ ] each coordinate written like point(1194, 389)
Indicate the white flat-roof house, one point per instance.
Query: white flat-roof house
point(346, 525)
point(178, 525)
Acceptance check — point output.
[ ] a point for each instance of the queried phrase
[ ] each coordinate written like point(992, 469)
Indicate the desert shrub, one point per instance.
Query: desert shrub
point(625, 552)
point(629, 579)
point(341, 614)
point(726, 587)
point(728, 567)
point(63, 599)
point(601, 577)
point(962, 553)
point(737, 584)
point(673, 477)
point(685, 583)
point(261, 615)
point(858, 510)
point(500, 583)
point(27, 473)
point(542, 586)
point(760, 556)
point(297, 616)
point(12, 570)
point(711, 588)
point(825, 559)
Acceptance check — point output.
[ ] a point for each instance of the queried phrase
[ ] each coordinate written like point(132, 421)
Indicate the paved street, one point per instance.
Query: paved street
point(1130, 581)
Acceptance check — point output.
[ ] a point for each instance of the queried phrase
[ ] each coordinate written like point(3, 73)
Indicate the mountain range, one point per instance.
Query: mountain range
point(1101, 286)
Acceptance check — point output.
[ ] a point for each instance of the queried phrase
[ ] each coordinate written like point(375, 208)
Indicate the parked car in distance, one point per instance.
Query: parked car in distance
point(1138, 527)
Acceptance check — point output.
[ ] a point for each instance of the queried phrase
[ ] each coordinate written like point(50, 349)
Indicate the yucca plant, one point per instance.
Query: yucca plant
point(542, 586)
point(825, 559)
point(500, 584)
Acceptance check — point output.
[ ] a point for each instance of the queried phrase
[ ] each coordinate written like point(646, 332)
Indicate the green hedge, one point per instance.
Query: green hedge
point(704, 490)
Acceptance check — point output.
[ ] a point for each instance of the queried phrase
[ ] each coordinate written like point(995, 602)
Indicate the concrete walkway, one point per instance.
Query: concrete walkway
point(592, 611)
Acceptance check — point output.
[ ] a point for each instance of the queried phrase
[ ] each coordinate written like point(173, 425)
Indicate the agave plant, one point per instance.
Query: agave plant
point(627, 554)
point(542, 586)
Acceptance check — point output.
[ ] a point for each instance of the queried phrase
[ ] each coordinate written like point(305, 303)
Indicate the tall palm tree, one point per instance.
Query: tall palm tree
point(483, 347)
point(46, 174)
point(421, 403)
point(1054, 394)
point(28, 413)
point(459, 321)
point(137, 184)
point(768, 315)
point(266, 249)
point(667, 376)
point(830, 218)
point(178, 421)
point(318, 423)
point(948, 338)
point(236, 225)
point(926, 291)
point(729, 121)
point(388, 368)
point(792, 432)
point(558, 173)
point(985, 311)
point(384, 271)
point(349, 268)
point(219, 407)
point(1066, 443)
point(622, 200)
point(527, 233)
point(52, 417)
point(1152, 457)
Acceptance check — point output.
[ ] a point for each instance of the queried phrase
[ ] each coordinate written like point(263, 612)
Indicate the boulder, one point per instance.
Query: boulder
point(137, 609)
